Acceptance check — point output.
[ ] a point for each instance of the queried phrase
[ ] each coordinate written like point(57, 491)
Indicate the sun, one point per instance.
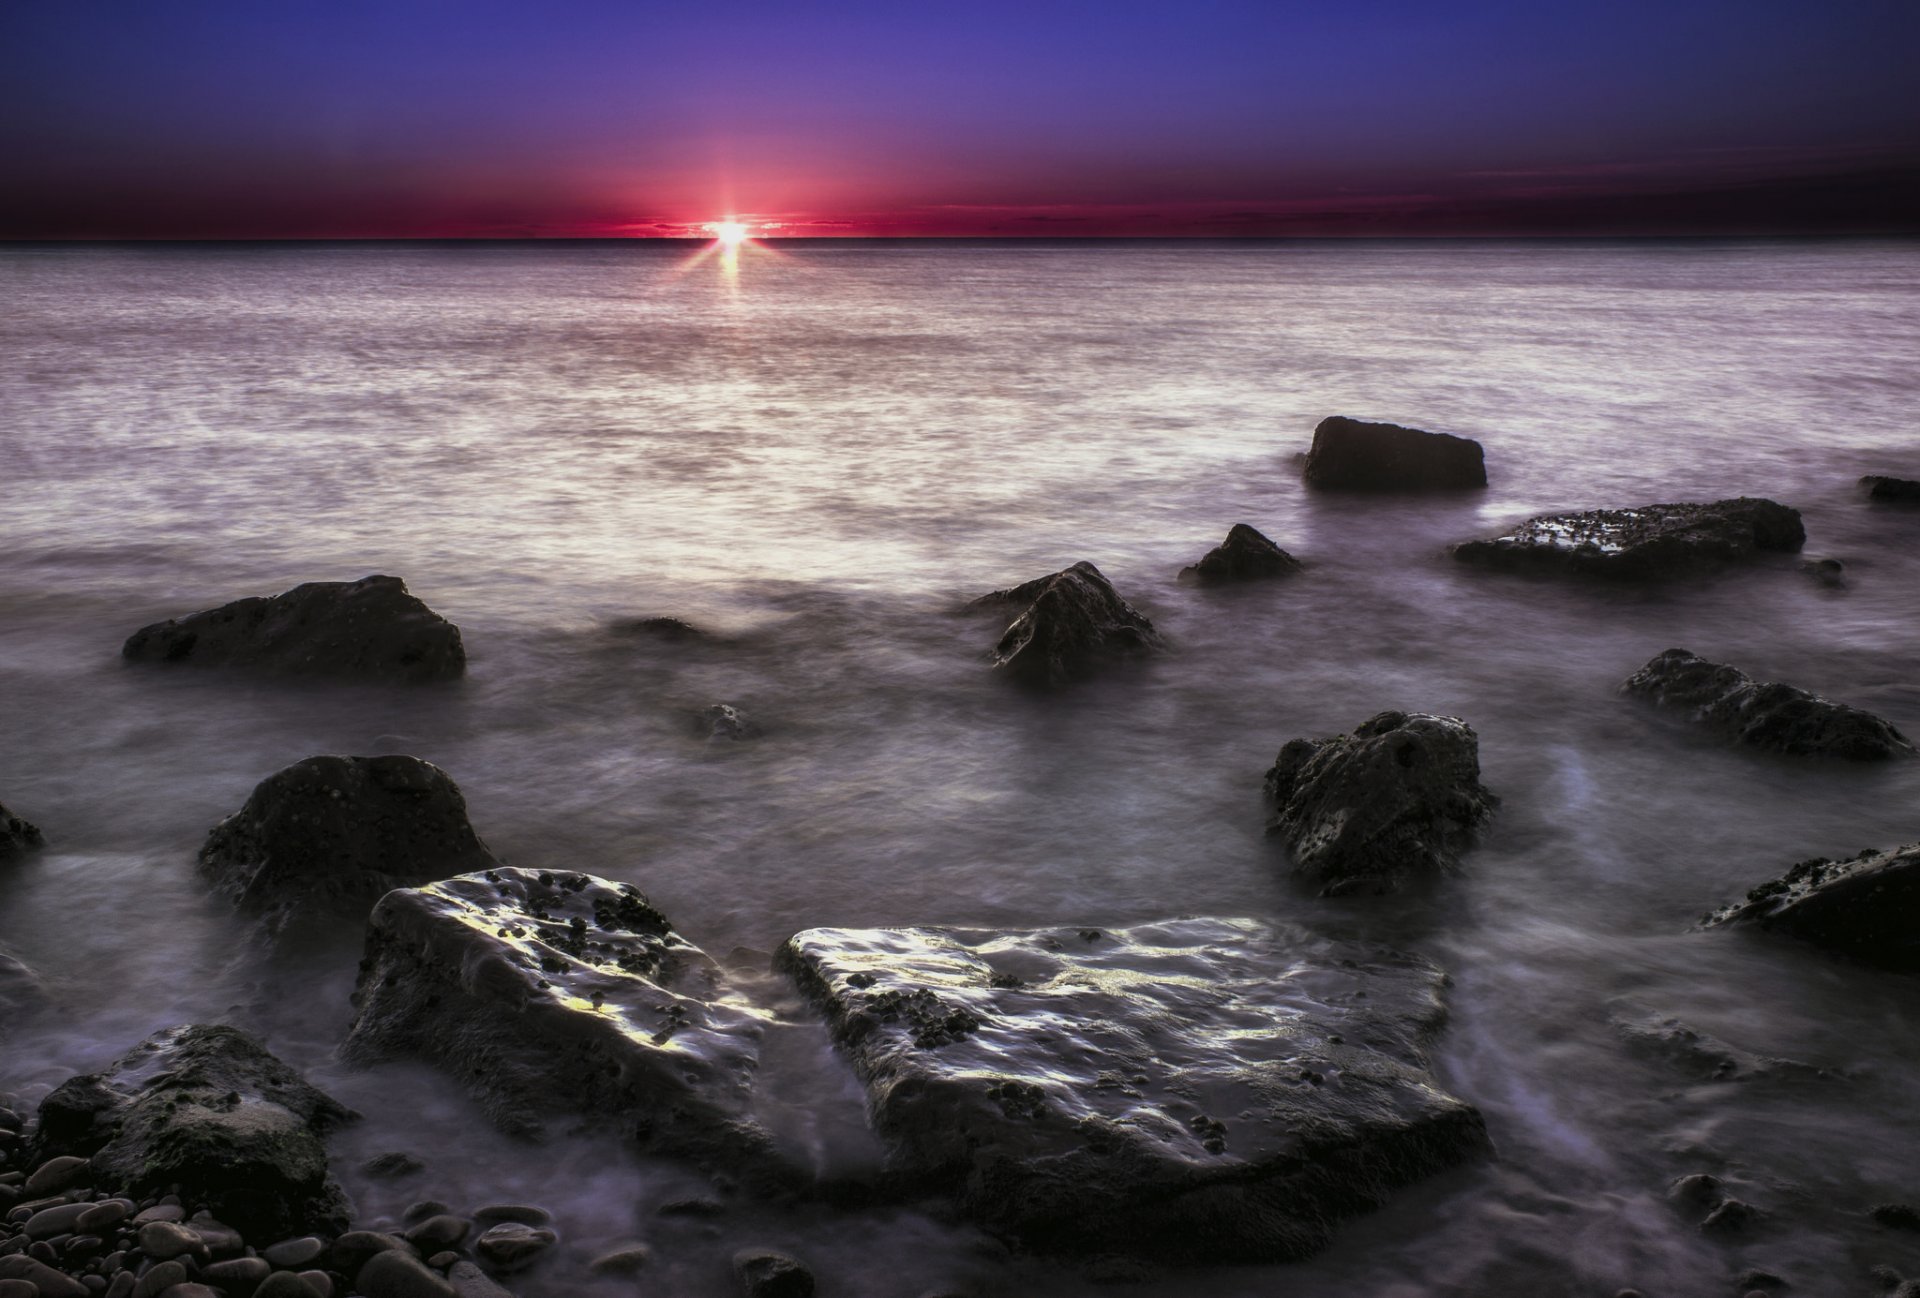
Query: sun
point(731, 234)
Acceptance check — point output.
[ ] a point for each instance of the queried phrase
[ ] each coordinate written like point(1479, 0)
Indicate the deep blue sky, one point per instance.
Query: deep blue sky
point(477, 117)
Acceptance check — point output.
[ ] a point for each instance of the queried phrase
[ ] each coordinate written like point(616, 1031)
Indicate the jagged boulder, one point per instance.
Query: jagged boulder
point(1356, 455)
point(1245, 555)
point(16, 835)
point(1214, 1090)
point(370, 629)
point(335, 833)
point(1866, 908)
point(553, 993)
point(210, 1109)
point(1363, 813)
point(1651, 541)
point(1901, 491)
point(1071, 623)
point(1764, 714)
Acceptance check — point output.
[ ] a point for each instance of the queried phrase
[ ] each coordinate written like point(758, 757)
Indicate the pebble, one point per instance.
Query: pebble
point(441, 1261)
point(216, 1235)
point(19, 1289)
point(391, 1166)
point(438, 1233)
point(351, 1250)
point(622, 1261)
point(244, 1273)
point(692, 1207)
point(292, 1254)
point(160, 1212)
point(1730, 1217)
point(394, 1274)
point(57, 1174)
point(512, 1245)
point(161, 1240)
point(424, 1209)
point(525, 1213)
point(105, 1215)
point(52, 1283)
point(319, 1282)
point(469, 1281)
point(190, 1291)
point(766, 1274)
point(49, 1222)
point(283, 1284)
point(159, 1279)
point(122, 1285)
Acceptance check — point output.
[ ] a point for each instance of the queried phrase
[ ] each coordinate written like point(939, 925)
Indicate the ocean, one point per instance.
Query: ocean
point(820, 451)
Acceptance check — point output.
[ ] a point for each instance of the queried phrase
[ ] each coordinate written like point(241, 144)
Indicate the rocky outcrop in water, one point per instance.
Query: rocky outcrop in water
point(1363, 813)
point(1245, 555)
point(1204, 1089)
point(333, 834)
point(16, 835)
point(548, 992)
point(1866, 908)
point(1072, 623)
point(210, 1110)
point(1764, 714)
point(1355, 455)
point(370, 629)
point(1652, 541)
point(1899, 491)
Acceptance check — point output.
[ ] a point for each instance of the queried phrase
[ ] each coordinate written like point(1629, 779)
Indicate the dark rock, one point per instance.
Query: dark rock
point(1072, 622)
point(16, 835)
point(1362, 813)
point(469, 1281)
point(697, 1206)
point(221, 1239)
point(394, 1274)
point(1204, 1089)
point(1245, 555)
point(438, 1233)
point(210, 1110)
point(160, 1278)
point(1731, 1217)
point(1650, 542)
point(626, 1260)
point(1700, 1190)
point(423, 1209)
point(19, 1289)
point(57, 1174)
point(1764, 714)
point(1904, 491)
point(764, 1273)
point(1705, 1057)
point(513, 1245)
point(319, 1283)
point(292, 1254)
point(238, 1275)
point(724, 721)
point(1867, 908)
point(1757, 1279)
point(1830, 573)
point(1355, 455)
point(356, 1248)
point(370, 629)
point(337, 833)
point(669, 629)
point(191, 1290)
point(559, 989)
point(392, 1166)
point(1900, 1216)
point(166, 1240)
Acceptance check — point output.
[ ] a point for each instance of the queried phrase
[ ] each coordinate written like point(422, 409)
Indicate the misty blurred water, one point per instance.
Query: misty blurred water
point(821, 454)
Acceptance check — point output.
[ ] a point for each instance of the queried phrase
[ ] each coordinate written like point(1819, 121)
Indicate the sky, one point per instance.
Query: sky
point(625, 118)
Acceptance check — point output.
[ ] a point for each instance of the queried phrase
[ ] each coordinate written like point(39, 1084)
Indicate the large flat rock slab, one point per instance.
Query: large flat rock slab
point(1764, 714)
point(209, 1109)
point(1367, 812)
point(1866, 908)
point(1647, 542)
point(1205, 1089)
point(1361, 455)
point(371, 629)
point(332, 835)
point(557, 994)
point(1071, 623)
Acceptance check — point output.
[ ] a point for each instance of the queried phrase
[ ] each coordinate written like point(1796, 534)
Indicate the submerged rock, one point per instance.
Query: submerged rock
point(16, 835)
point(1904, 491)
point(336, 833)
point(668, 629)
point(1362, 813)
point(1867, 908)
point(1652, 541)
point(1244, 556)
point(548, 992)
point(724, 721)
point(1830, 573)
point(1356, 455)
point(1764, 714)
point(1203, 1089)
point(210, 1110)
point(370, 629)
point(1073, 622)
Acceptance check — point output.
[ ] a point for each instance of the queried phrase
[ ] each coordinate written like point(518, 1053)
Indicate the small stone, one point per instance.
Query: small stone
point(441, 1261)
point(59, 1220)
point(469, 1281)
point(58, 1174)
point(394, 1274)
point(105, 1215)
point(51, 1283)
point(190, 1291)
point(219, 1237)
point(240, 1273)
point(767, 1274)
point(513, 1245)
point(292, 1254)
point(353, 1249)
point(159, 1279)
point(318, 1283)
point(389, 1167)
point(424, 1209)
point(161, 1240)
point(692, 1206)
point(1700, 1190)
point(19, 1289)
point(524, 1213)
point(622, 1261)
point(121, 1286)
point(438, 1233)
point(284, 1284)
point(1760, 1280)
point(160, 1212)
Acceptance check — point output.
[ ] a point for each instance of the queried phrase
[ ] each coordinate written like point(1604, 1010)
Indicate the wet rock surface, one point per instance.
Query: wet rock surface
point(1207, 1089)
point(1764, 714)
point(1072, 622)
point(1364, 813)
point(1900, 491)
point(16, 834)
point(1866, 908)
point(1358, 455)
point(211, 1111)
point(334, 834)
point(1648, 542)
point(1246, 555)
point(370, 629)
point(545, 990)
